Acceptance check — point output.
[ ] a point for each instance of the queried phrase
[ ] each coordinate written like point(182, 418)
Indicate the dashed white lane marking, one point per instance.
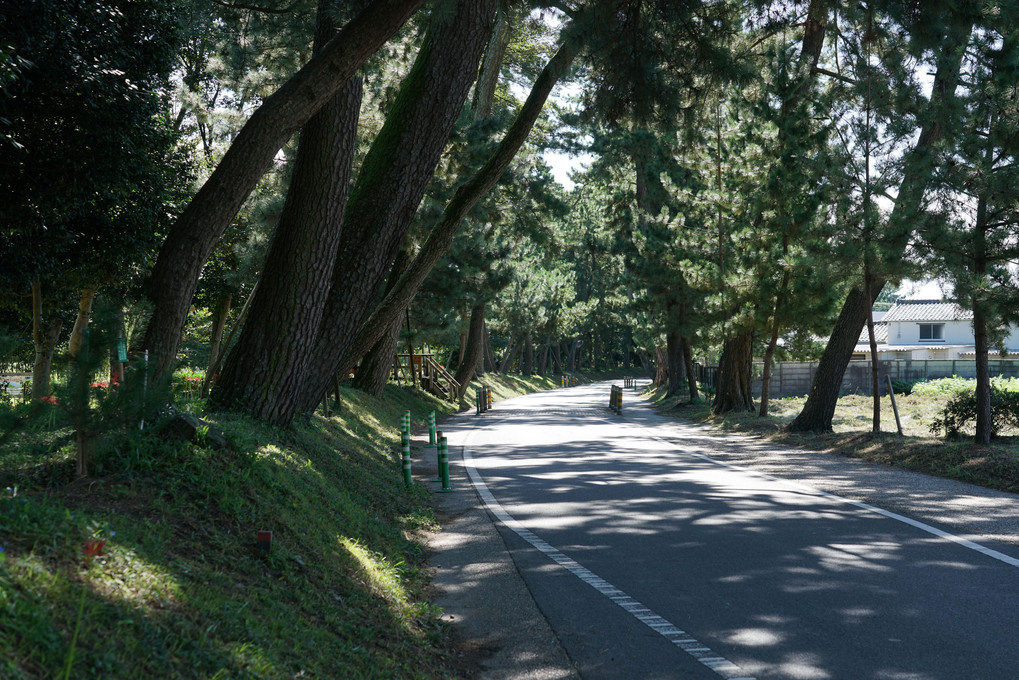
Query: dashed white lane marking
point(966, 543)
point(719, 664)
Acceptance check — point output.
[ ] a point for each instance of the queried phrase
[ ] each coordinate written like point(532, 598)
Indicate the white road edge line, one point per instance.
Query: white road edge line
point(966, 543)
point(720, 665)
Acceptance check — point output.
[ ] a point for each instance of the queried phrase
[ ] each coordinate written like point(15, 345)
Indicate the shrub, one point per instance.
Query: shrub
point(962, 410)
point(944, 387)
point(904, 387)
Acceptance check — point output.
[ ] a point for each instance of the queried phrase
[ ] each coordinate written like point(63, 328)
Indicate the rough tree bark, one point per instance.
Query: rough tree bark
point(373, 371)
point(691, 377)
point(85, 301)
point(734, 374)
point(202, 224)
point(219, 318)
point(465, 198)
point(264, 372)
point(475, 336)
point(392, 181)
point(44, 339)
point(819, 408)
point(674, 361)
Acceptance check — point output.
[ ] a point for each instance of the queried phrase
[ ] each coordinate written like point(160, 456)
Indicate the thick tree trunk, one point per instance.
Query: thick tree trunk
point(264, 372)
point(528, 367)
point(734, 374)
point(819, 408)
point(391, 183)
point(507, 354)
point(674, 362)
point(469, 193)
point(491, 65)
point(984, 424)
point(373, 373)
point(691, 378)
point(88, 296)
point(489, 354)
point(44, 339)
point(200, 227)
point(475, 336)
point(769, 355)
point(557, 358)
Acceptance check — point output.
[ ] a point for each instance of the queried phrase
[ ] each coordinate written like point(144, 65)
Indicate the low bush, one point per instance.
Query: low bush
point(961, 411)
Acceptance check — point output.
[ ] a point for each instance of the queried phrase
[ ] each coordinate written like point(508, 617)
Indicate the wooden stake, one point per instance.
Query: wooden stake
point(895, 408)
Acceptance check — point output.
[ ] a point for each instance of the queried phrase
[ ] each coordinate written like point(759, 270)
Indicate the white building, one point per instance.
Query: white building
point(925, 329)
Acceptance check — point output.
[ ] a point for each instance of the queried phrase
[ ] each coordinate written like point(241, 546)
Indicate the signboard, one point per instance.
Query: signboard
point(121, 349)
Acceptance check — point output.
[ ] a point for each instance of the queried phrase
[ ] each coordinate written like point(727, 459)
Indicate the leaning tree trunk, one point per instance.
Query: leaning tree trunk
point(264, 372)
point(475, 336)
point(373, 373)
point(221, 313)
point(469, 193)
point(819, 409)
point(733, 392)
point(391, 183)
point(489, 354)
point(202, 224)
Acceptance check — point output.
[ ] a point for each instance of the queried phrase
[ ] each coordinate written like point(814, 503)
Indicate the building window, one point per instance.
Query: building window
point(932, 332)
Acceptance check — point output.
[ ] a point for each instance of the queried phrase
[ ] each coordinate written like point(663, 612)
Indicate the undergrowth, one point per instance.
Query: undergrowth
point(150, 568)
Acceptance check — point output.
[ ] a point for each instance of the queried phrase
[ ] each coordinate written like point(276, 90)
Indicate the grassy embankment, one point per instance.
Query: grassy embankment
point(179, 589)
point(996, 466)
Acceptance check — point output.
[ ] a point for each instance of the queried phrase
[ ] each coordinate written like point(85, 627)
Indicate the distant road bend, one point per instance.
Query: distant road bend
point(653, 559)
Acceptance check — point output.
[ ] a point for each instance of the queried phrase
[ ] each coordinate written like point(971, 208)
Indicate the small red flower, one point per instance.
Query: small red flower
point(51, 400)
point(93, 547)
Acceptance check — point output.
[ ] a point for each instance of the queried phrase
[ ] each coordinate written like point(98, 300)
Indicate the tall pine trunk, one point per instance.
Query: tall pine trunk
point(44, 339)
point(819, 409)
point(674, 361)
point(475, 336)
point(691, 378)
point(373, 372)
point(220, 314)
point(85, 301)
point(734, 374)
point(392, 182)
point(202, 224)
point(265, 370)
point(468, 194)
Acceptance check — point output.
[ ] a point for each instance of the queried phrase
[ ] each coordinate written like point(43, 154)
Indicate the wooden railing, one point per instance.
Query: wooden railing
point(428, 373)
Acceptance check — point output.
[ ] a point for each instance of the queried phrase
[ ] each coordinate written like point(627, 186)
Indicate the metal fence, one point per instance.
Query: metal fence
point(793, 378)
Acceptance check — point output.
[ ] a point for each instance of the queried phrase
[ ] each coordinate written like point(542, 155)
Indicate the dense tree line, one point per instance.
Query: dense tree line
point(760, 172)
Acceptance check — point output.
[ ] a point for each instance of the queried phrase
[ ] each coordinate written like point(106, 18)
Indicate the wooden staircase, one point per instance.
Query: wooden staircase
point(428, 373)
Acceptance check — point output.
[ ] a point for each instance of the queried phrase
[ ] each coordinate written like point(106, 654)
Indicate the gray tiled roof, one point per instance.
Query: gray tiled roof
point(927, 310)
point(880, 334)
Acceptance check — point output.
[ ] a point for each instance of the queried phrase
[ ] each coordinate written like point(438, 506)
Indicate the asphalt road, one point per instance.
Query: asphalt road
point(652, 557)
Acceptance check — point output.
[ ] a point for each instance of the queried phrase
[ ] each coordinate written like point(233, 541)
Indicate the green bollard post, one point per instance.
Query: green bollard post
point(407, 478)
point(438, 456)
point(444, 465)
point(431, 429)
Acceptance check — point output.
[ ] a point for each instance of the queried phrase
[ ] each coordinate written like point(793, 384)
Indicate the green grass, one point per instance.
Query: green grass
point(180, 590)
point(995, 466)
